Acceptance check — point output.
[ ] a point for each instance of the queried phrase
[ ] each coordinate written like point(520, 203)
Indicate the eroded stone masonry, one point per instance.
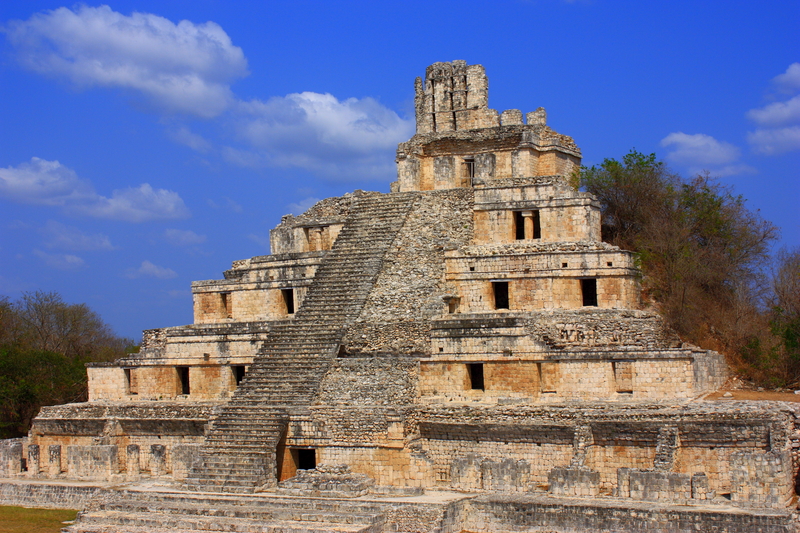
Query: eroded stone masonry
point(461, 354)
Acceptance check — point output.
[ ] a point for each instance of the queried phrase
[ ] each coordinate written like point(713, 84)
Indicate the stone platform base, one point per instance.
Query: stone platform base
point(496, 513)
point(156, 508)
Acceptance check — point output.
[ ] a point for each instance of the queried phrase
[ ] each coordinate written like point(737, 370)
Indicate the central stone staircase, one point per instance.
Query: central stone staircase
point(239, 450)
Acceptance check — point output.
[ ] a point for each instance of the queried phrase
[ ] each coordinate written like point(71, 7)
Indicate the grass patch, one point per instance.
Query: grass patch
point(23, 520)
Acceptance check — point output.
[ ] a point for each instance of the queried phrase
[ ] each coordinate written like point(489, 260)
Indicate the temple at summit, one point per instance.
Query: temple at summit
point(463, 353)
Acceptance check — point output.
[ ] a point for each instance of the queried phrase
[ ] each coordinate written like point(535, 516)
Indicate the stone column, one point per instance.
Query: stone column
point(528, 218)
point(157, 465)
point(33, 460)
point(132, 465)
point(54, 460)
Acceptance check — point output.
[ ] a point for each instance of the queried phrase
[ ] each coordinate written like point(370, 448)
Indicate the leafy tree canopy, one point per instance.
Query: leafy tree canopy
point(703, 255)
point(45, 344)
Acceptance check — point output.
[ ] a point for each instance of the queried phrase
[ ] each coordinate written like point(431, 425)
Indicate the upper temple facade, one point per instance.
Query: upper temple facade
point(463, 352)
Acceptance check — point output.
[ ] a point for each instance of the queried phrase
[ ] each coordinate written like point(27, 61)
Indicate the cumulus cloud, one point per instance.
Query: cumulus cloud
point(318, 132)
point(58, 235)
point(186, 137)
point(699, 152)
point(775, 141)
point(180, 237)
point(42, 182)
point(150, 270)
point(778, 123)
point(137, 204)
point(188, 68)
point(60, 261)
point(777, 113)
point(789, 81)
point(183, 67)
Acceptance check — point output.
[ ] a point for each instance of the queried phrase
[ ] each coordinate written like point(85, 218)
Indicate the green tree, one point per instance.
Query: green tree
point(45, 344)
point(702, 252)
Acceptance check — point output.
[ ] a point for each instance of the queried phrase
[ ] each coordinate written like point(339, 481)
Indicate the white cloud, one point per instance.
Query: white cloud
point(779, 122)
point(185, 136)
point(58, 235)
point(50, 183)
point(777, 113)
point(148, 269)
point(137, 204)
point(180, 237)
point(302, 206)
point(60, 261)
point(699, 152)
point(318, 132)
point(774, 141)
point(44, 183)
point(183, 67)
point(789, 81)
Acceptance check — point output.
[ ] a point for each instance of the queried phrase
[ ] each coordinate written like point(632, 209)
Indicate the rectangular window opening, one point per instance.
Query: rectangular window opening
point(226, 304)
point(475, 376)
point(469, 167)
point(500, 289)
point(305, 459)
point(288, 300)
point(131, 383)
point(238, 373)
point(183, 377)
point(453, 305)
point(537, 225)
point(589, 292)
point(519, 226)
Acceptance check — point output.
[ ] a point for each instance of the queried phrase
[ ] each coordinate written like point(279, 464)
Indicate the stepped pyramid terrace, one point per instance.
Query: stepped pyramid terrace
point(463, 353)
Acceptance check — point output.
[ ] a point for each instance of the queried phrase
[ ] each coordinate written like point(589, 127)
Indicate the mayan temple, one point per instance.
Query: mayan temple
point(462, 354)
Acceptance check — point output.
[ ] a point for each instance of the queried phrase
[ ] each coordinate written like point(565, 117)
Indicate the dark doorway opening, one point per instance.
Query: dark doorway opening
point(537, 225)
point(288, 300)
point(475, 376)
point(238, 373)
point(131, 383)
point(305, 459)
point(226, 304)
point(519, 225)
point(183, 376)
point(500, 289)
point(589, 292)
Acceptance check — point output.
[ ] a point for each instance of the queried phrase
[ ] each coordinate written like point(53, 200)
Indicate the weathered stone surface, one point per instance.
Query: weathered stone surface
point(467, 332)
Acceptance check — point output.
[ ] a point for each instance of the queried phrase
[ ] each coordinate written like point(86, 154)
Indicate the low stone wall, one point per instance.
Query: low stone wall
point(493, 514)
point(49, 495)
point(10, 457)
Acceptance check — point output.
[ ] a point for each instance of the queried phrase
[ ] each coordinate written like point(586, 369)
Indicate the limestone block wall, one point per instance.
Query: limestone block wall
point(448, 163)
point(549, 381)
point(542, 280)
point(107, 383)
point(558, 223)
point(461, 462)
point(234, 343)
point(565, 215)
point(460, 440)
point(159, 382)
point(10, 457)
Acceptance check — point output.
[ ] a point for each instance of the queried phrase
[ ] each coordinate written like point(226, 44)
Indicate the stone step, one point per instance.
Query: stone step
point(152, 522)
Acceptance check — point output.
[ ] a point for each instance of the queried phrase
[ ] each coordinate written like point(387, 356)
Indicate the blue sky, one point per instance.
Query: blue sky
point(147, 144)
